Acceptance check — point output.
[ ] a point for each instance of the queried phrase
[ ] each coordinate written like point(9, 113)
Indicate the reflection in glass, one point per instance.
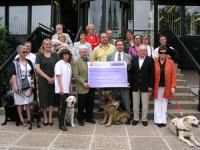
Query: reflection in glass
point(144, 18)
point(95, 14)
point(170, 16)
point(2, 16)
point(114, 20)
point(192, 20)
point(18, 17)
point(37, 18)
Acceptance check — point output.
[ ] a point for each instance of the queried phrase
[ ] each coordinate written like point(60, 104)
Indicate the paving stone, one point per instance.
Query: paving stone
point(36, 140)
point(109, 143)
point(7, 139)
point(140, 130)
point(25, 148)
point(147, 143)
point(177, 144)
point(11, 127)
point(72, 142)
point(114, 130)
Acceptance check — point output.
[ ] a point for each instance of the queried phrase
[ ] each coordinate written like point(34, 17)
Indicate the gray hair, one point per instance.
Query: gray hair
point(20, 48)
point(83, 47)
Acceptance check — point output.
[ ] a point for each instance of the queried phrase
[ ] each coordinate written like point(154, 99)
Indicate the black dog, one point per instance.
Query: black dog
point(10, 110)
point(34, 113)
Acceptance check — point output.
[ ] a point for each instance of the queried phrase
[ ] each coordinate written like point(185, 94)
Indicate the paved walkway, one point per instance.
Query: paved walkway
point(90, 137)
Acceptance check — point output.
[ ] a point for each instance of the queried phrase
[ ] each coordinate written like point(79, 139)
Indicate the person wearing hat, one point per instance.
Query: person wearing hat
point(79, 45)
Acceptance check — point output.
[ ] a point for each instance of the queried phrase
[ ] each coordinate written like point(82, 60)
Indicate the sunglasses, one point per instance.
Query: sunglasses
point(163, 53)
point(24, 52)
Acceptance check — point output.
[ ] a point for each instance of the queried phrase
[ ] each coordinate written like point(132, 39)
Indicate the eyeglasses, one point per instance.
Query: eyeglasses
point(24, 52)
point(163, 53)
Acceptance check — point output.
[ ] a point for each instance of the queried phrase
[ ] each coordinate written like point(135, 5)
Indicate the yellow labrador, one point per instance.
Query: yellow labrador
point(182, 127)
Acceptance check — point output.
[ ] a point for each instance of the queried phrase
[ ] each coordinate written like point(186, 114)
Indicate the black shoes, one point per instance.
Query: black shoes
point(145, 123)
point(134, 123)
point(81, 123)
point(160, 125)
point(163, 125)
point(63, 128)
point(128, 122)
point(92, 121)
point(100, 109)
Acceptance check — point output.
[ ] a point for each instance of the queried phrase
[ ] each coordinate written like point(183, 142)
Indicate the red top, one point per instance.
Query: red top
point(93, 40)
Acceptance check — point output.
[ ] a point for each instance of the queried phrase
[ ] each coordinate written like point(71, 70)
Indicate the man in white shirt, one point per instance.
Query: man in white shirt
point(29, 55)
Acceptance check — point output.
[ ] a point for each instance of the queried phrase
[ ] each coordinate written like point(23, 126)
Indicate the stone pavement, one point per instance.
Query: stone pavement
point(90, 137)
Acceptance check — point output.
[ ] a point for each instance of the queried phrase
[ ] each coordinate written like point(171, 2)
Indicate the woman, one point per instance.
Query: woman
point(22, 81)
point(129, 40)
point(62, 43)
point(150, 50)
point(63, 74)
point(45, 62)
point(91, 37)
point(164, 87)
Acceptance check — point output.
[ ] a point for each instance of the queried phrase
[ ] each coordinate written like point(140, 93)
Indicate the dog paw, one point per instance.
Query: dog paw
point(73, 125)
point(191, 145)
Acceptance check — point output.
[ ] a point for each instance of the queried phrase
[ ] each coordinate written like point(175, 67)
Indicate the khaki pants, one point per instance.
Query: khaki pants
point(136, 105)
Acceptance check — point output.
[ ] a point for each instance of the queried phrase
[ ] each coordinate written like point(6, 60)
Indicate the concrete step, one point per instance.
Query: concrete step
point(184, 97)
point(179, 76)
point(180, 82)
point(182, 89)
point(178, 70)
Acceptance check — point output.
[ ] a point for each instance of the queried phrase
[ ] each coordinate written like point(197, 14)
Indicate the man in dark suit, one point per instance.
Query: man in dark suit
point(120, 55)
point(142, 82)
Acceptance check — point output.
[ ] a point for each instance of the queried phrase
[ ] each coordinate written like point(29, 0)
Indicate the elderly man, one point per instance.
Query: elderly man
point(81, 44)
point(110, 37)
point(142, 82)
point(59, 30)
point(85, 93)
point(120, 55)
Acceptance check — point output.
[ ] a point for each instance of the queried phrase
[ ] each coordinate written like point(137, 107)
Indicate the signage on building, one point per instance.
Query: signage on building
point(130, 24)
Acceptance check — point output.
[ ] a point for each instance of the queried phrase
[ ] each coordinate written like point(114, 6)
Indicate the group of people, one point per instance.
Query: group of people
point(58, 60)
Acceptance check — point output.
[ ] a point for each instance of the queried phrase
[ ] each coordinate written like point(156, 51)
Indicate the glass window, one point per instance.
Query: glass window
point(41, 14)
point(192, 20)
point(95, 14)
point(144, 18)
point(114, 17)
point(18, 17)
point(2, 16)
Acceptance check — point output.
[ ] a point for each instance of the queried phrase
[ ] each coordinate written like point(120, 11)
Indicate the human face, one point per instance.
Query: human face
point(109, 34)
point(91, 30)
point(142, 51)
point(23, 52)
point(119, 46)
point(28, 47)
point(129, 36)
point(59, 29)
point(47, 45)
point(83, 53)
point(82, 37)
point(62, 39)
point(137, 40)
point(65, 57)
point(104, 38)
point(162, 54)
point(163, 41)
point(145, 41)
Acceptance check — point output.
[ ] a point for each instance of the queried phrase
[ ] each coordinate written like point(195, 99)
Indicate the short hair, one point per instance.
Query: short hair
point(129, 31)
point(65, 51)
point(119, 40)
point(162, 35)
point(61, 35)
point(83, 46)
point(162, 48)
point(88, 26)
point(19, 48)
point(137, 35)
point(27, 42)
point(59, 24)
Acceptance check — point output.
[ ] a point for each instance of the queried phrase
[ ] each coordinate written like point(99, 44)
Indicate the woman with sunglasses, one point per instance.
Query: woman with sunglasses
point(164, 86)
point(22, 69)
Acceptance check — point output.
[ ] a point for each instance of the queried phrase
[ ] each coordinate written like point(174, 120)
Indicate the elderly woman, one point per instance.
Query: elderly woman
point(63, 74)
point(22, 81)
point(45, 62)
point(164, 87)
point(91, 38)
point(61, 43)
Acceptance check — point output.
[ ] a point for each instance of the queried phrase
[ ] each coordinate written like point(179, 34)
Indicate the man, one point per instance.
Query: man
point(172, 54)
point(79, 45)
point(142, 82)
point(85, 93)
point(100, 53)
point(59, 30)
point(29, 55)
point(133, 50)
point(129, 40)
point(120, 55)
point(110, 37)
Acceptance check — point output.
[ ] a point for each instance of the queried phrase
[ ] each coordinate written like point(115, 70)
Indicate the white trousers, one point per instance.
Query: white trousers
point(160, 107)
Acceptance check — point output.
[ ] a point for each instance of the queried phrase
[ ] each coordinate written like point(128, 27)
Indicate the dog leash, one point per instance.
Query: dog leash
point(178, 105)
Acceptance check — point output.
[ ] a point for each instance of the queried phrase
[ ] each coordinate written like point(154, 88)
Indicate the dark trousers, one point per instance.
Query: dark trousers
point(85, 102)
point(61, 108)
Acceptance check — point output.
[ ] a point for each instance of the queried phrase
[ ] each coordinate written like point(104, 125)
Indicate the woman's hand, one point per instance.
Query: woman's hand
point(50, 80)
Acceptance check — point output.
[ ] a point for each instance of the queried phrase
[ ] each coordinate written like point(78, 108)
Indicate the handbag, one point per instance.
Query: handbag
point(24, 82)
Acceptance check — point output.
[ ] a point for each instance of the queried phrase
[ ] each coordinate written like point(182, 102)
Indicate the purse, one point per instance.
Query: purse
point(25, 83)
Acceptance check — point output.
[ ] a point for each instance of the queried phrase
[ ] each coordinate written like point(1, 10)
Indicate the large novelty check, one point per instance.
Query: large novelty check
point(107, 74)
